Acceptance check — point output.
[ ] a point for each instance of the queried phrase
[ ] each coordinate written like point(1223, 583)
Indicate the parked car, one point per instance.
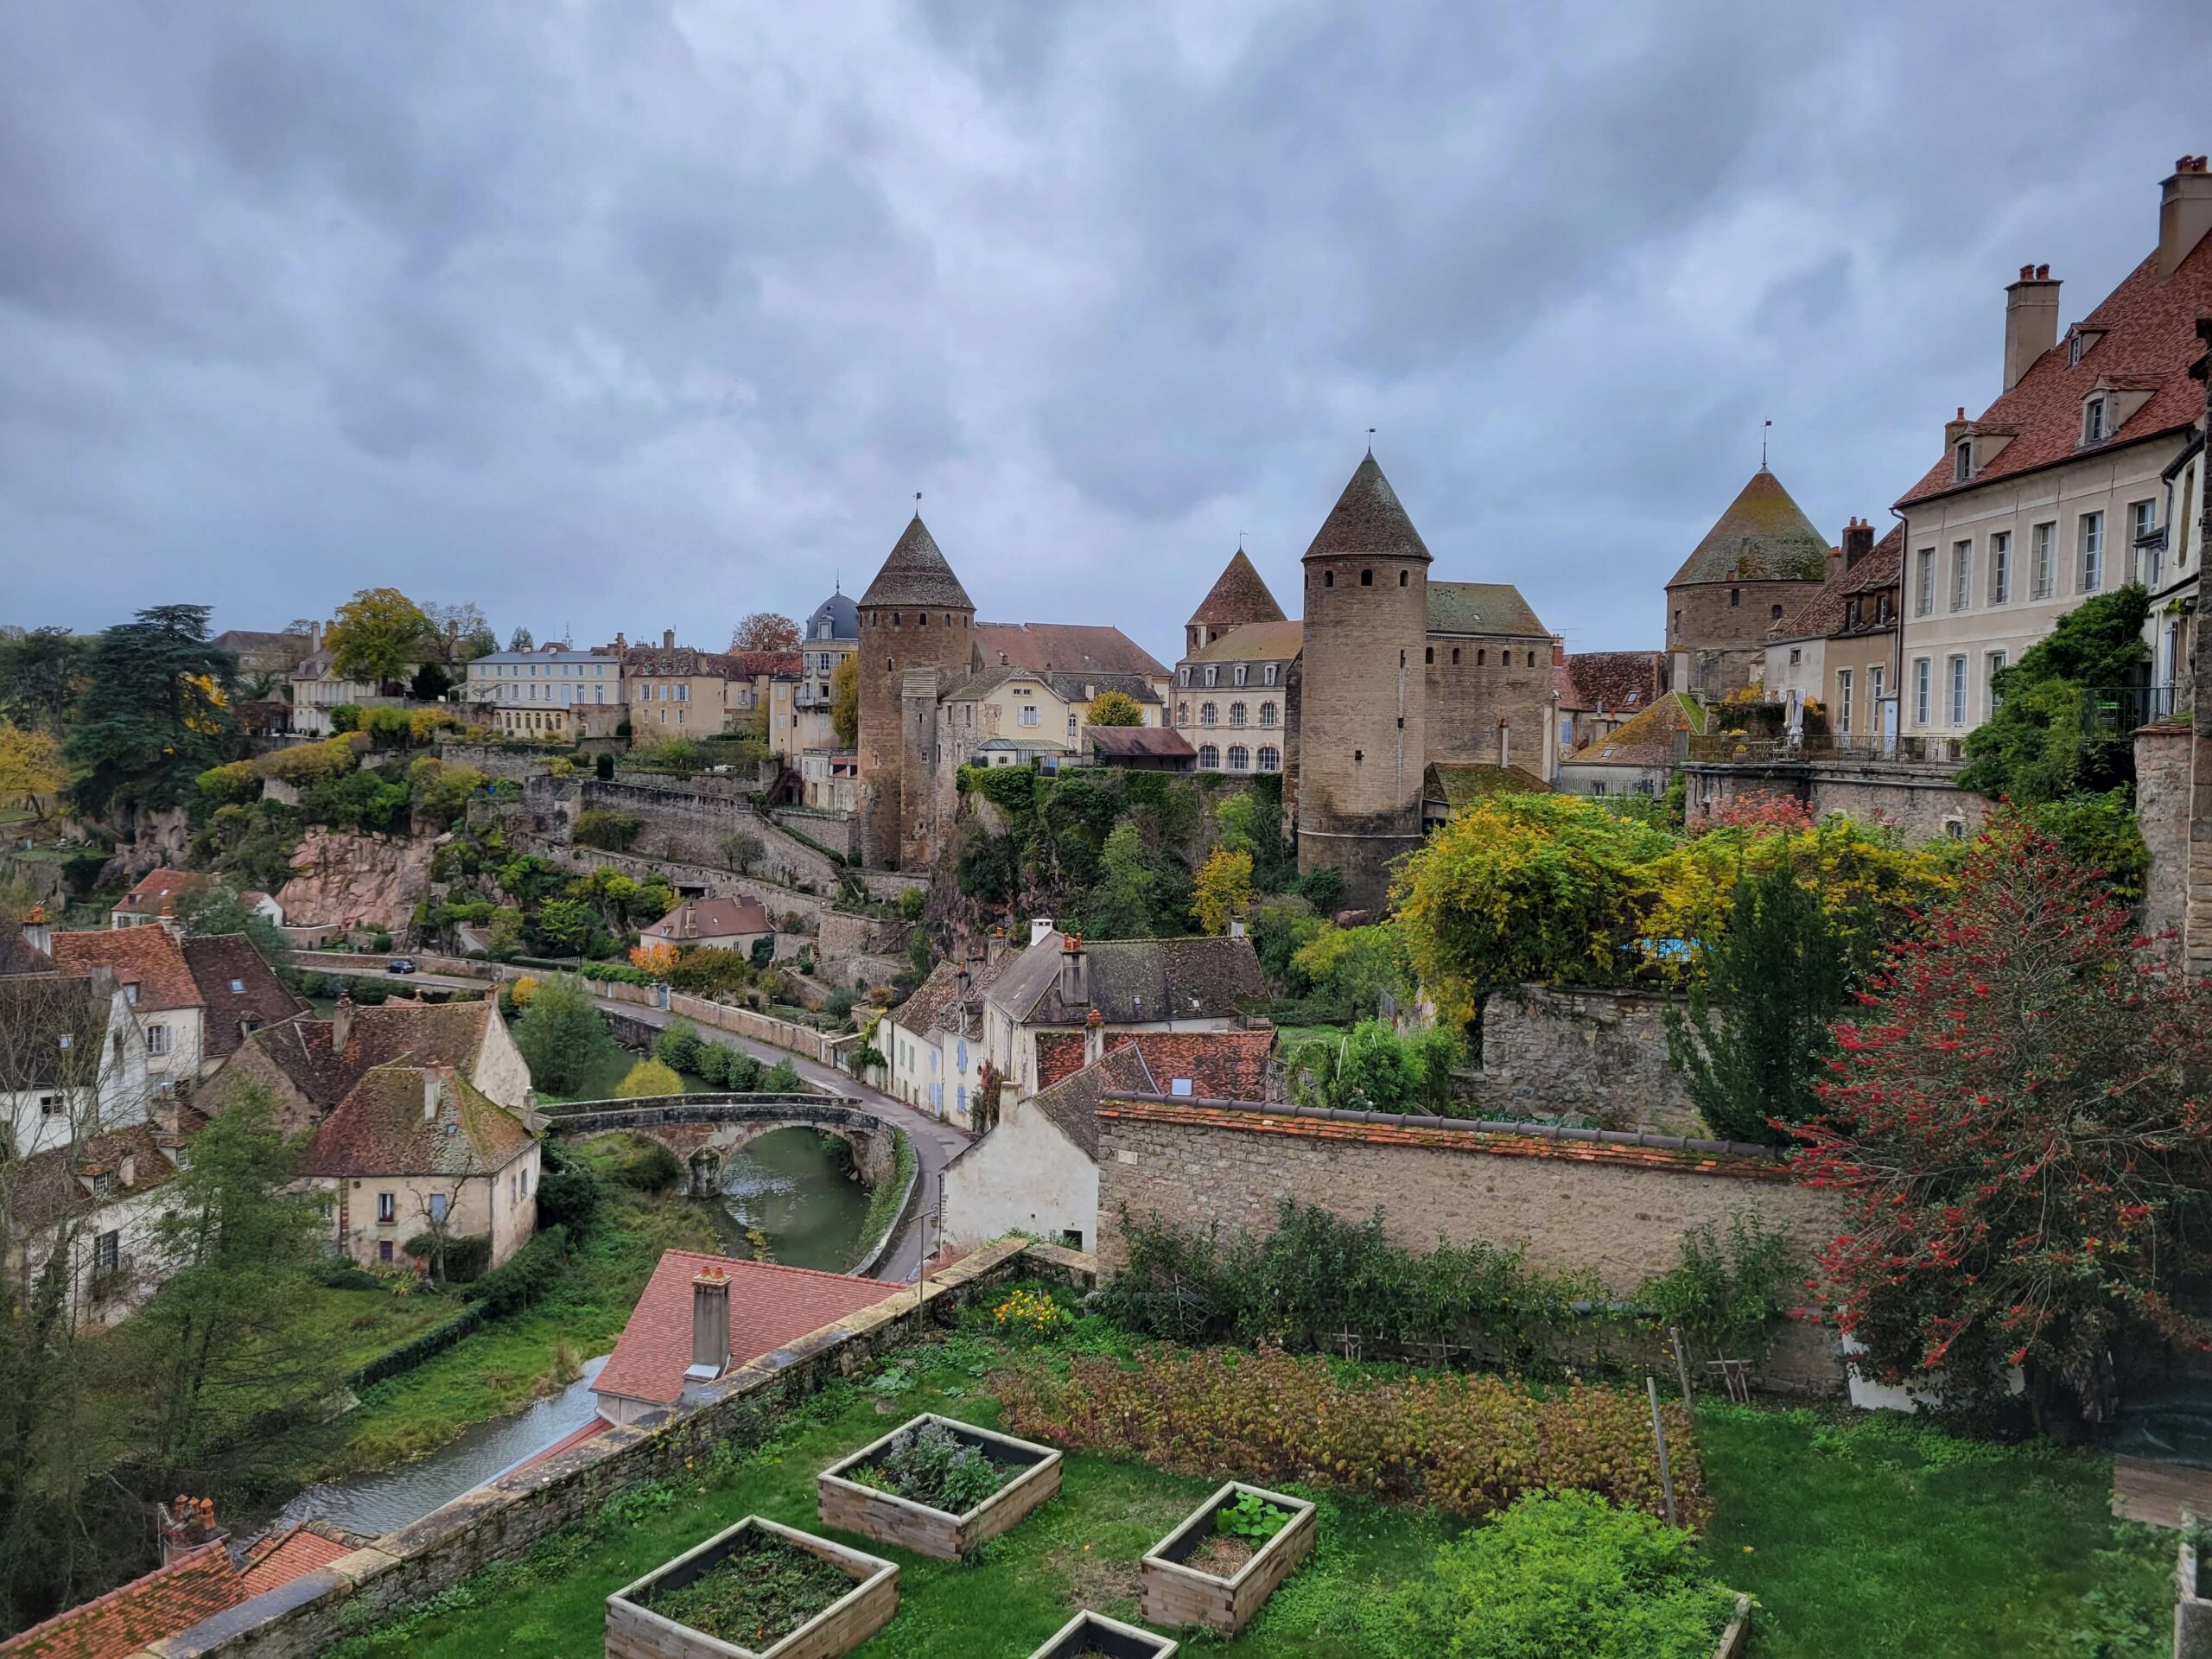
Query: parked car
point(400, 965)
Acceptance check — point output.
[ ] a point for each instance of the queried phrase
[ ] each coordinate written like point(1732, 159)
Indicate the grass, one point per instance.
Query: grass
point(510, 1363)
point(1873, 1538)
point(600, 1077)
point(1862, 1539)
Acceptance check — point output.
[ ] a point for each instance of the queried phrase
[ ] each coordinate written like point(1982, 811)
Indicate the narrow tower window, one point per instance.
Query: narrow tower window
point(1367, 578)
point(1403, 578)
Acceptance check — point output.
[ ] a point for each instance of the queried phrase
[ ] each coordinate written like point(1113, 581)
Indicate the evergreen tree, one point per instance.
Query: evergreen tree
point(1754, 1038)
point(1124, 896)
point(155, 714)
point(560, 1035)
point(2047, 740)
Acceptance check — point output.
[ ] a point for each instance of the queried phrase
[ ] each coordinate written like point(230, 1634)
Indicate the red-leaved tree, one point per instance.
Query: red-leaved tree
point(2020, 1129)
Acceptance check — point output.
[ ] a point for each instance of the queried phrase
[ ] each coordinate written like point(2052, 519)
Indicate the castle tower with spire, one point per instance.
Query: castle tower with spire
point(1239, 595)
point(1362, 742)
point(916, 636)
point(1760, 563)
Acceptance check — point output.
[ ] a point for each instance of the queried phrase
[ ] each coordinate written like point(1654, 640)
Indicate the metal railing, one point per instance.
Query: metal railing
point(1721, 749)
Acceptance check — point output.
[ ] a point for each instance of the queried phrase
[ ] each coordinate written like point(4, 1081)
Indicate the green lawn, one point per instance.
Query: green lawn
point(598, 1081)
point(1868, 1538)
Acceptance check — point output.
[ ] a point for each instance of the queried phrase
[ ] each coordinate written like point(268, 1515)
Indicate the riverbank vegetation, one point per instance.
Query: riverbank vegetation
point(1871, 1541)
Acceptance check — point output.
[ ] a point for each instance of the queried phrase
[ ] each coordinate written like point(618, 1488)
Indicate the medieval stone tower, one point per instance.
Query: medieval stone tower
point(918, 635)
point(1363, 737)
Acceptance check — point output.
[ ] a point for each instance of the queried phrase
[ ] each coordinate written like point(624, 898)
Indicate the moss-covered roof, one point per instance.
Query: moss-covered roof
point(917, 574)
point(1764, 537)
point(1459, 785)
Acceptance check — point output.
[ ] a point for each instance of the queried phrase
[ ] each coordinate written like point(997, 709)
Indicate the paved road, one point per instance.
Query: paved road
point(935, 1144)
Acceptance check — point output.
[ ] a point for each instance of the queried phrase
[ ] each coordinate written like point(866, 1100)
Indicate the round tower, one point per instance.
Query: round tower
point(916, 636)
point(1363, 731)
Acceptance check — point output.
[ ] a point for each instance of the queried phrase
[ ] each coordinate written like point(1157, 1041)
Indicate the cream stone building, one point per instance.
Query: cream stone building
point(676, 691)
point(1839, 652)
point(1035, 711)
point(1236, 696)
point(2060, 490)
point(544, 693)
point(318, 688)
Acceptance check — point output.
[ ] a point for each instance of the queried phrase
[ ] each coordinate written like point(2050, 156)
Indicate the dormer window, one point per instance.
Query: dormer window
point(1963, 461)
point(2094, 421)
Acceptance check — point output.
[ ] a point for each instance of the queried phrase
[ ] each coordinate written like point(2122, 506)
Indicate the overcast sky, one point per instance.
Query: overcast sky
point(627, 315)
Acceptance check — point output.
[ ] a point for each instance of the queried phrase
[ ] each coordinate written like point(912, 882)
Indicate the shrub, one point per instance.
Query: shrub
point(646, 1079)
point(744, 1072)
point(525, 1276)
point(1562, 1573)
point(679, 1046)
point(840, 1003)
point(1467, 1444)
point(711, 1063)
point(707, 969)
point(603, 768)
point(613, 832)
point(337, 1273)
point(911, 904)
point(648, 1167)
point(560, 1035)
point(567, 1191)
point(225, 785)
point(782, 1079)
point(466, 1255)
point(932, 1466)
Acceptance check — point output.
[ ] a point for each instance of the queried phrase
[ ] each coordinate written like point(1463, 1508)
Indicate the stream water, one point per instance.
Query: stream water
point(789, 1187)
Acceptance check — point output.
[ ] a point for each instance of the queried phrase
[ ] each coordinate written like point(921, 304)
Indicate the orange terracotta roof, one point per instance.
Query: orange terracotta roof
point(1063, 647)
point(144, 956)
point(769, 1306)
point(283, 1556)
point(1630, 1151)
point(2147, 329)
point(157, 891)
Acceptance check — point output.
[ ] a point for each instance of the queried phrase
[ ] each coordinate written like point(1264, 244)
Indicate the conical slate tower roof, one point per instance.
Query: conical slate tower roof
point(1368, 520)
point(917, 574)
point(1764, 537)
point(1240, 596)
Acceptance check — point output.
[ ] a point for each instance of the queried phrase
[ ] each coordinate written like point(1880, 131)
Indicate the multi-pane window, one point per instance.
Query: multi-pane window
point(1267, 714)
point(1875, 676)
point(1236, 714)
point(1958, 691)
point(2042, 560)
point(1267, 675)
point(157, 1039)
point(2143, 531)
point(1270, 758)
point(1924, 582)
point(1208, 713)
point(1961, 573)
point(2093, 421)
point(1994, 664)
point(2093, 552)
point(1029, 716)
point(2000, 567)
point(1240, 758)
point(107, 1253)
point(387, 1208)
point(1920, 674)
point(1209, 758)
point(1843, 690)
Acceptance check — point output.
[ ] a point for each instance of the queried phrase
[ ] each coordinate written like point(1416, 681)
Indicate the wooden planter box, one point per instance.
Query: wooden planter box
point(1176, 1594)
point(1095, 1633)
point(1736, 1640)
point(635, 1631)
point(2192, 1612)
point(851, 1507)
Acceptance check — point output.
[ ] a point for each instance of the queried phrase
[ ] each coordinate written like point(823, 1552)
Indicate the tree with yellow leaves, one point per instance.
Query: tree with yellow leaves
point(1223, 889)
point(31, 768)
point(845, 702)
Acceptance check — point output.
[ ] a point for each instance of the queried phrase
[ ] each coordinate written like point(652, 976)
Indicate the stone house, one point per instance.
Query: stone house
point(829, 781)
point(1761, 560)
point(700, 1316)
point(102, 1200)
point(318, 688)
point(239, 993)
point(1007, 716)
point(1036, 1172)
point(544, 693)
point(831, 635)
point(1840, 650)
point(1138, 748)
point(411, 1149)
point(1600, 692)
point(1043, 1002)
point(273, 654)
point(306, 1065)
point(155, 897)
point(932, 1043)
point(150, 969)
point(1235, 696)
point(73, 1058)
point(1637, 758)
point(676, 691)
point(2060, 489)
point(726, 924)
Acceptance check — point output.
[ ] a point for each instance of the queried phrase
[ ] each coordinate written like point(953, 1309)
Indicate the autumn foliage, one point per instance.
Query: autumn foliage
point(656, 958)
point(2018, 1126)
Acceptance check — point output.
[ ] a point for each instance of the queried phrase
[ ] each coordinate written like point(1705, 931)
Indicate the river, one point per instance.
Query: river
point(789, 1187)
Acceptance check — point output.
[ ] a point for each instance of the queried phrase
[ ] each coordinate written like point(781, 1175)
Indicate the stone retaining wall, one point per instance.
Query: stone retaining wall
point(1592, 1057)
point(503, 1518)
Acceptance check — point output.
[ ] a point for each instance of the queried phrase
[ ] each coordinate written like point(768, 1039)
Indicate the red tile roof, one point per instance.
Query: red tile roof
point(1238, 596)
point(1127, 742)
point(1823, 614)
point(381, 1128)
point(2148, 326)
point(1617, 682)
point(711, 919)
point(769, 1307)
point(144, 956)
point(1065, 647)
point(1738, 1165)
point(157, 893)
point(198, 1584)
point(1219, 1064)
point(239, 989)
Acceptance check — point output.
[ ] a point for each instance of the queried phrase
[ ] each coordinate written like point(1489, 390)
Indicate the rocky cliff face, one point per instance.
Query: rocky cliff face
point(339, 878)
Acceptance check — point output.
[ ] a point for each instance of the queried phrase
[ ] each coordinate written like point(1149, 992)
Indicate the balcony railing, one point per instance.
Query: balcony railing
point(1916, 751)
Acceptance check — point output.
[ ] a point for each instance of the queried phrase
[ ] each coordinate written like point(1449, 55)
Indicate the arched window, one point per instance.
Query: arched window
point(1532, 655)
point(1270, 758)
point(1236, 714)
point(1267, 714)
point(1367, 578)
point(1455, 656)
point(1481, 657)
point(1241, 671)
point(1240, 758)
point(1401, 578)
point(1209, 758)
point(1429, 654)
point(1208, 714)
point(1186, 673)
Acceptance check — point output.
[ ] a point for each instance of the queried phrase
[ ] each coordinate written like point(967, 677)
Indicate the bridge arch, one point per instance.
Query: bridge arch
point(704, 1129)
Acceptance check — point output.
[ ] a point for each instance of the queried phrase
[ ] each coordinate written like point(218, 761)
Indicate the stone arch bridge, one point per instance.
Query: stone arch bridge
point(704, 1129)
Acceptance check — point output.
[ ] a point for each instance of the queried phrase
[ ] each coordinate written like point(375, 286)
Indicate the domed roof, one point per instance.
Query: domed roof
point(835, 618)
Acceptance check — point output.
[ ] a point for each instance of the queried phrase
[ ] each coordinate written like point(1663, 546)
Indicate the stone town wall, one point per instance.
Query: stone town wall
point(503, 1518)
point(1619, 1210)
point(1591, 1057)
point(1495, 680)
point(1924, 802)
point(2163, 765)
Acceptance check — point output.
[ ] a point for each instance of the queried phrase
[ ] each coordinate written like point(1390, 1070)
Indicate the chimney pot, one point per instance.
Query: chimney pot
point(668, 639)
point(342, 1024)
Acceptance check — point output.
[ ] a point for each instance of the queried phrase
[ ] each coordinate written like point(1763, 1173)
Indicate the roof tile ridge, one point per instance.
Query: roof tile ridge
point(778, 1267)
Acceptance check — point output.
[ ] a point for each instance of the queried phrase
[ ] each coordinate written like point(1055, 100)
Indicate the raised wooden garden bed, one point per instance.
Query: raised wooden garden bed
point(2192, 1610)
point(1736, 1640)
point(1178, 1593)
point(1094, 1636)
point(634, 1631)
point(1032, 1471)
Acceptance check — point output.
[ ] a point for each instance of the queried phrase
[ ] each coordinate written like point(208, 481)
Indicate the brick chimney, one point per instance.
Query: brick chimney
point(186, 1525)
point(341, 1023)
point(710, 1325)
point(1857, 542)
point(668, 639)
point(2031, 321)
point(430, 1090)
point(1075, 971)
point(1094, 1037)
point(2184, 213)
